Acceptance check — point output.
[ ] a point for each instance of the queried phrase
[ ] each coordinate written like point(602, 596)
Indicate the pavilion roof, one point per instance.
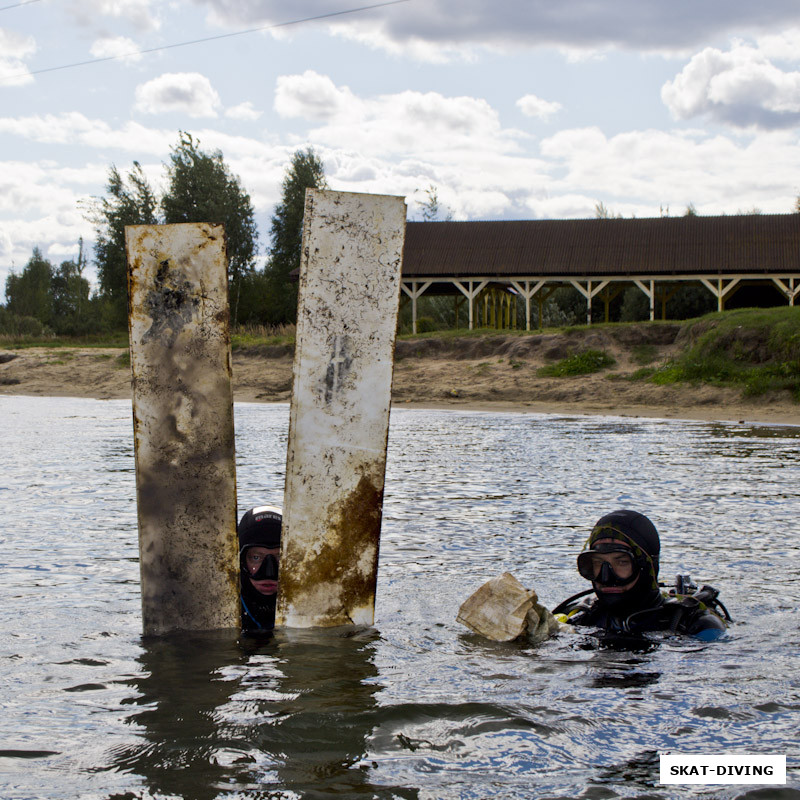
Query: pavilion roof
point(752, 243)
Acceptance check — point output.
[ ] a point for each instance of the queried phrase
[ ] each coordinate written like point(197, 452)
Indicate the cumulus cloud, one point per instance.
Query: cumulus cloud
point(14, 48)
point(638, 171)
point(408, 121)
point(740, 87)
point(138, 13)
point(244, 111)
point(782, 46)
point(116, 47)
point(581, 24)
point(185, 92)
point(311, 96)
point(75, 128)
point(532, 106)
point(40, 203)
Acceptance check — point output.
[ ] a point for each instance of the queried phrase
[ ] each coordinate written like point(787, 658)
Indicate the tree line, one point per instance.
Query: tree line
point(45, 298)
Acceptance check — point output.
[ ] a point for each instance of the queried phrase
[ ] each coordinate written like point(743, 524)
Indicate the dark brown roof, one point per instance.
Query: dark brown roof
point(752, 243)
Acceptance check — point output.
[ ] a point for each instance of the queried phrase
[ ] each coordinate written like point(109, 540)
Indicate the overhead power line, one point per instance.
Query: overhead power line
point(17, 5)
point(200, 41)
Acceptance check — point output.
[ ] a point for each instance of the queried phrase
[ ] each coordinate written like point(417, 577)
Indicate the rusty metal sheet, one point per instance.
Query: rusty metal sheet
point(183, 426)
point(339, 419)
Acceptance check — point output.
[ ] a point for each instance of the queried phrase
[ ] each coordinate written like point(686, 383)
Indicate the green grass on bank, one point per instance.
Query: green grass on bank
point(755, 349)
point(583, 363)
point(254, 336)
point(114, 339)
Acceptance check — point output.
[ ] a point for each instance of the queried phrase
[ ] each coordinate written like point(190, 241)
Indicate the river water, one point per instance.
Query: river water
point(416, 707)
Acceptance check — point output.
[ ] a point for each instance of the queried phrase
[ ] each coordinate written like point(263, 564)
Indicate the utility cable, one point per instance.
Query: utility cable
point(17, 5)
point(200, 41)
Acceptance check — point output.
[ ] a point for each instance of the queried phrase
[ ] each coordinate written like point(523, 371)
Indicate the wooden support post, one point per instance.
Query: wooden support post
point(652, 296)
point(339, 418)
point(589, 296)
point(471, 293)
point(722, 290)
point(650, 292)
point(414, 293)
point(589, 292)
point(183, 427)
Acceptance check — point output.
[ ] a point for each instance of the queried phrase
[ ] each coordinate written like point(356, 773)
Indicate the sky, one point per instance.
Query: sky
point(510, 109)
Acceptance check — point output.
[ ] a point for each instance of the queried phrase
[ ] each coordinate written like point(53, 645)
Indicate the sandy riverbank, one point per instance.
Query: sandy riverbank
point(490, 373)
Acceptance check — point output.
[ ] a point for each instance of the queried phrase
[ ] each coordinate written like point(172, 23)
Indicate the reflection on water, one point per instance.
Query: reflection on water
point(290, 713)
point(417, 707)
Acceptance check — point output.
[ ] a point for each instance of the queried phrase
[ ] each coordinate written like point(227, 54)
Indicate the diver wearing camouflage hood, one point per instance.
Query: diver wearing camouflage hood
point(621, 560)
point(259, 552)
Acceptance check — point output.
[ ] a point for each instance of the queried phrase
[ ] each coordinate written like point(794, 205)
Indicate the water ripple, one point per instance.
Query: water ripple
point(417, 707)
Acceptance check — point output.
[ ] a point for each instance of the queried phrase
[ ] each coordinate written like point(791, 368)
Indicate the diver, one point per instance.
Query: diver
point(259, 552)
point(621, 558)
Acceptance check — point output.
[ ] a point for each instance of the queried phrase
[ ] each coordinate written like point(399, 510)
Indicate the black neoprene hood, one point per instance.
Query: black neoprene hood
point(260, 526)
point(637, 527)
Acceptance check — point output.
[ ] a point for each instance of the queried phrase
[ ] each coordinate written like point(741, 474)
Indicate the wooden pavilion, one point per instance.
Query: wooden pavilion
point(600, 258)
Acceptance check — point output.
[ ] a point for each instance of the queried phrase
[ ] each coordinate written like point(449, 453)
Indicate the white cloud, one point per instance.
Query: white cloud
point(244, 111)
point(312, 96)
point(783, 46)
point(138, 13)
point(638, 171)
point(532, 106)
point(74, 128)
point(741, 87)
point(183, 92)
point(40, 203)
point(14, 48)
point(116, 47)
point(376, 37)
point(406, 122)
point(441, 29)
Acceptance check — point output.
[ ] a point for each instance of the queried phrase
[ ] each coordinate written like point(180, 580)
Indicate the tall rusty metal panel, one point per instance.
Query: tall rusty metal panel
point(339, 419)
point(183, 426)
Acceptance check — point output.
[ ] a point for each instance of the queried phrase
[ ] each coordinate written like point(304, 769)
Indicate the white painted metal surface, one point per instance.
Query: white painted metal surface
point(183, 426)
point(346, 325)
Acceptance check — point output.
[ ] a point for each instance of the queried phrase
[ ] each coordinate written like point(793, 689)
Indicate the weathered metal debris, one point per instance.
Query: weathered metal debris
point(346, 325)
point(502, 609)
point(183, 426)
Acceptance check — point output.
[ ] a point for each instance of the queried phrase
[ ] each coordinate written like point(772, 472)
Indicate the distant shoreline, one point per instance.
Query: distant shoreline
point(480, 378)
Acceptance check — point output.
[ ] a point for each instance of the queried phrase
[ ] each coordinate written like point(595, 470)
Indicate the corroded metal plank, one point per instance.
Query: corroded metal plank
point(183, 426)
point(339, 419)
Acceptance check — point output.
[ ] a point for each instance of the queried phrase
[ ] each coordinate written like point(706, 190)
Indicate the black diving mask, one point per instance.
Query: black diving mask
point(609, 565)
point(267, 566)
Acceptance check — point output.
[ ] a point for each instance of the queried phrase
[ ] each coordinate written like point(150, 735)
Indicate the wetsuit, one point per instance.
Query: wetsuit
point(259, 527)
point(258, 610)
point(627, 542)
point(681, 614)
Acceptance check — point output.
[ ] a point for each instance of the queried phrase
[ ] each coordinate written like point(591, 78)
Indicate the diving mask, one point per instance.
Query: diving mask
point(608, 565)
point(261, 567)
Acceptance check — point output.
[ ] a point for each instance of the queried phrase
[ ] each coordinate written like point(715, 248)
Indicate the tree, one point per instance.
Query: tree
point(203, 189)
point(602, 212)
point(70, 294)
point(431, 209)
point(305, 171)
point(29, 294)
point(131, 202)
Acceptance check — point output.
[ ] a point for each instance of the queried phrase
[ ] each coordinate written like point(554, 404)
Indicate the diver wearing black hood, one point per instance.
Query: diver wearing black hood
point(621, 560)
point(259, 551)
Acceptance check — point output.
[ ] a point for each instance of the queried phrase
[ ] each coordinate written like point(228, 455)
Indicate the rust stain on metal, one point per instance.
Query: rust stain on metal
point(183, 427)
point(339, 574)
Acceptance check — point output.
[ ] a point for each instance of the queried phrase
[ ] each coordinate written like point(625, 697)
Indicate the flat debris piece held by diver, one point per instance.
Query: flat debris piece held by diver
point(503, 609)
